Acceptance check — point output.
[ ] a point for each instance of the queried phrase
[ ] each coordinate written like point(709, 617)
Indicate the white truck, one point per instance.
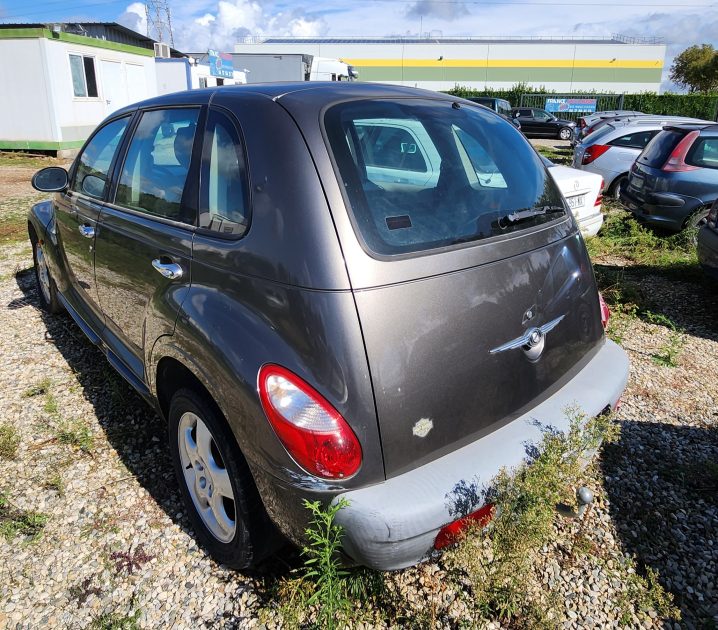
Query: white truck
point(328, 69)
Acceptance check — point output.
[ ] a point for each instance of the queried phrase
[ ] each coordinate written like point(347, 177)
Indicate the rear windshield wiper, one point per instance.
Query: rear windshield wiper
point(523, 215)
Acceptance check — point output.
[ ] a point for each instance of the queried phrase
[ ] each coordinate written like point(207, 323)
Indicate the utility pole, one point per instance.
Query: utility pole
point(159, 20)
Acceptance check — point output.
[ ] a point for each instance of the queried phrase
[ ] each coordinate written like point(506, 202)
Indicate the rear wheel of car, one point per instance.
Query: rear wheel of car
point(565, 133)
point(697, 219)
point(46, 288)
point(217, 487)
point(617, 186)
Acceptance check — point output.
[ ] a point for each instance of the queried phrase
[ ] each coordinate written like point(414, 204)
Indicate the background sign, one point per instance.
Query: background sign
point(578, 105)
point(220, 64)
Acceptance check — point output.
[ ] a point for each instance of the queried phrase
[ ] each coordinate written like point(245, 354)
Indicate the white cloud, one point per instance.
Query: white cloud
point(134, 17)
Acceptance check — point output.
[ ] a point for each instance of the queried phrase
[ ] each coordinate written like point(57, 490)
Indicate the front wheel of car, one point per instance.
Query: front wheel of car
point(565, 133)
point(698, 219)
point(46, 288)
point(222, 501)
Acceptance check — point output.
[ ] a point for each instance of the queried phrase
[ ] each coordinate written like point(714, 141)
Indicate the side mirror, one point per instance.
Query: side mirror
point(93, 185)
point(50, 179)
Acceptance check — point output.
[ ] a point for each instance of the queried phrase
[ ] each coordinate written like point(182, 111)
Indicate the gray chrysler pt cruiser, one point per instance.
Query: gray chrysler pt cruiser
point(329, 290)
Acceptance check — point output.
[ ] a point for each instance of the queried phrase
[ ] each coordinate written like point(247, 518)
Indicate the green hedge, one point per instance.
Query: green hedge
point(693, 105)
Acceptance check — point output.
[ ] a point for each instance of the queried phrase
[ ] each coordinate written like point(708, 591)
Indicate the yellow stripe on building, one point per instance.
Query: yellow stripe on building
point(505, 63)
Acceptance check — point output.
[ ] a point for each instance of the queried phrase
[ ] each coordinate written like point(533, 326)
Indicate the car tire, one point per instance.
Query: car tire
point(46, 287)
point(617, 186)
point(216, 484)
point(565, 133)
point(697, 219)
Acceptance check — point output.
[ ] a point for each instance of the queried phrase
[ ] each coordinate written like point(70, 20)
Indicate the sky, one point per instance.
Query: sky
point(202, 24)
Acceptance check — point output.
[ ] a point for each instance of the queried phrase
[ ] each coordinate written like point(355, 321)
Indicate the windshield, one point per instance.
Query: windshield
point(423, 174)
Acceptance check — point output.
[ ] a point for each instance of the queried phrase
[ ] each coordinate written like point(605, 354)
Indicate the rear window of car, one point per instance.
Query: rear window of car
point(657, 150)
point(704, 153)
point(422, 174)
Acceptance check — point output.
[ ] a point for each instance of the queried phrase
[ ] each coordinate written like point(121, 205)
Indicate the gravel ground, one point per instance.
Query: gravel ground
point(117, 541)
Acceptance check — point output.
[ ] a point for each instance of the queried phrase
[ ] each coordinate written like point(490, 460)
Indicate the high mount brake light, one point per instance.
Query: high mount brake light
point(312, 431)
point(676, 162)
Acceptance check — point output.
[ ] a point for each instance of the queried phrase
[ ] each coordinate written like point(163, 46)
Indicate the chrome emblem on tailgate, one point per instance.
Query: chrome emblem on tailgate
point(532, 341)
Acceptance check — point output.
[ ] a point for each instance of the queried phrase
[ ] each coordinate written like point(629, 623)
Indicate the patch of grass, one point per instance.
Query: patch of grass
point(55, 482)
point(669, 352)
point(51, 405)
point(17, 158)
point(75, 433)
point(14, 522)
point(116, 621)
point(38, 389)
point(622, 236)
point(498, 563)
point(643, 594)
point(557, 155)
point(9, 441)
point(13, 217)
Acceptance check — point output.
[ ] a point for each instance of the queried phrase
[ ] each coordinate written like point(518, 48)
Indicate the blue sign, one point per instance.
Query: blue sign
point(220, 64)
point(577, 105)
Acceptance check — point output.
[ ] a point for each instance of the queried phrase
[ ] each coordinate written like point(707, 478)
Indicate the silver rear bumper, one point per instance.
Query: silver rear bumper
point(393, 524)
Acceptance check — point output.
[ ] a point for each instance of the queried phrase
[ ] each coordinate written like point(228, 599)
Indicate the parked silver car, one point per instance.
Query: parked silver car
point(611, 150)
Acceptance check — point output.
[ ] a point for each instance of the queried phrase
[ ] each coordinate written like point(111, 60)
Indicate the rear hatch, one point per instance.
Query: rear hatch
point(495, 306)
point(581, 190)
point(646, 170)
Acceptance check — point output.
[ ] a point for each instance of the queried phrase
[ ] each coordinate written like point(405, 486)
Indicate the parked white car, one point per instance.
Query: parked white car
point(583, 192)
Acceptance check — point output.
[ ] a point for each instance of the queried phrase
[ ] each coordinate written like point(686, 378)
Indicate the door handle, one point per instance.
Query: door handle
point(168, 270)
point(87, 231)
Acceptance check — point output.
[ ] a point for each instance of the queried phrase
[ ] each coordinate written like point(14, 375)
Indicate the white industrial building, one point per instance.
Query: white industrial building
point(564, 64)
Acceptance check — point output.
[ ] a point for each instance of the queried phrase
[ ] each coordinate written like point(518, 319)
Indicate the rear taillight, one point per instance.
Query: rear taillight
point(676, 161)
point(599, 199)
point(312, 431)
point(450, 533)
point(593, 152)
point(605, 311)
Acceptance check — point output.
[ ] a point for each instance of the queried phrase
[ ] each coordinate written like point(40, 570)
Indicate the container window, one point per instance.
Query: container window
point(84, 80)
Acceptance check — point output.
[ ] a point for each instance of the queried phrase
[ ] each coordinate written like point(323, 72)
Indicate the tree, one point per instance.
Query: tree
point(696, 68)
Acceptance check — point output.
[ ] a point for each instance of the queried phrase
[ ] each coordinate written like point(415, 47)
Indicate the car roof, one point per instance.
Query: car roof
point(324, 92)
point(706, 126)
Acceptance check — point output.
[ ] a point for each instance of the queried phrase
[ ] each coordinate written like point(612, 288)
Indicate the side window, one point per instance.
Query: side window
point(84, 80)
point(525, 113)
point(155, 171)
point(390, 147)
point(637, 140)
point(704, 152)
point(224, 199)
point(93, 165)
point(540, 115)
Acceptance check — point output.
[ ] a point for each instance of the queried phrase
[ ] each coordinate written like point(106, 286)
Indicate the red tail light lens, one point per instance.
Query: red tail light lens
point(312, 431)
point(599, 199)
point(676, 161)
point(450, 533)
point(605, 311)
point(593, 152)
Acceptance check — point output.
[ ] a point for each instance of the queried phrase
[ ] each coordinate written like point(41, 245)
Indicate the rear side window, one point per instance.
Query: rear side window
point(155, 170)
point(704, 152)
point(657, 151)
point(94, 163)
point(224, 200)
point(480, 180)
point(525, 113)
point(636, 140)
